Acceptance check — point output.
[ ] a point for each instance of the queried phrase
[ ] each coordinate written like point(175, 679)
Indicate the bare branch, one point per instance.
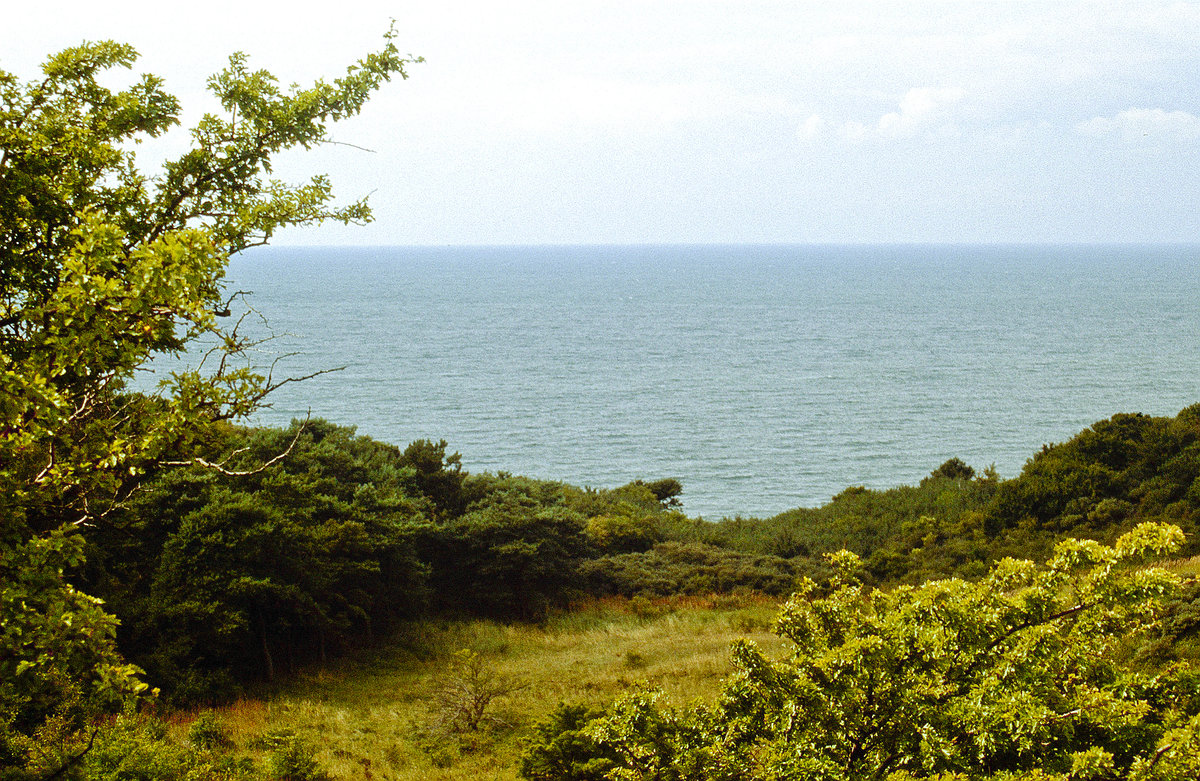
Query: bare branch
point(75, 758)
point(331, 142)
point(1035, 622)
point(220, 466)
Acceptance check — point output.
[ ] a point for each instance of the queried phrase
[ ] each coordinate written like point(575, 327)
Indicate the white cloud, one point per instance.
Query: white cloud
point(811, 128)
point(530, 97)
point(853, 131)
point(1136, 123)
point(920, 109)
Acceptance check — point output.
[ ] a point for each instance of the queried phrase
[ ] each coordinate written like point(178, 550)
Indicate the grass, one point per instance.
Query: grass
point(1187, 568)
point(370, 717)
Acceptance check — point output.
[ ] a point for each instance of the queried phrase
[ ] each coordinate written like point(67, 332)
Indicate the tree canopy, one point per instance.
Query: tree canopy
point(104, 266)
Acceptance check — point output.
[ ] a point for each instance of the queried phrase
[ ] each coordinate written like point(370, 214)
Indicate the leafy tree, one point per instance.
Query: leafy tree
point(954, 469)
point(622, 532)
point(436, 476)
point(515, 553)
point(561, 750)
point(1023, 672)
point(666, 491)
point(103, 267)
point(223, 579)
point(1118, 472)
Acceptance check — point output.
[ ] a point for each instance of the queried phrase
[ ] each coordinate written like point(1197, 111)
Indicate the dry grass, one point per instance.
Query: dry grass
point(370, 717)
point(1188, 568)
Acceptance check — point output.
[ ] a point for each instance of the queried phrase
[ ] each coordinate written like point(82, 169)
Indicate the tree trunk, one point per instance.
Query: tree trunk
point(268, 662)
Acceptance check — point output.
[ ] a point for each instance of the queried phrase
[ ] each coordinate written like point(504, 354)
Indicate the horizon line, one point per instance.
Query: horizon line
point(490, 245)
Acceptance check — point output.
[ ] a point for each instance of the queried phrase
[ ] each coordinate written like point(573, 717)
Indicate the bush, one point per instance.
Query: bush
point(671, 568)
point(292, 759)
point(561, 750)
point(463, 698)
point(208, 732)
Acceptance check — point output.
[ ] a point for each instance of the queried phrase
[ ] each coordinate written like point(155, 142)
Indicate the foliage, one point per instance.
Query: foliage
point(630, 518)
point(1020, 672)
point(621, 533)
point(57, 645)
point(515, 552)
point(221, 579)
point(560, 748)
point(689, 568)
point(131, 746)
point(1111, 476)
point(292, 759)
point(224, 578)
point(857, 519)
point(102, 268)
point(1116, 474)
point(208, 731)
point(953, 469)
point(1177, 636)
point(436, 476)
point(666, 491)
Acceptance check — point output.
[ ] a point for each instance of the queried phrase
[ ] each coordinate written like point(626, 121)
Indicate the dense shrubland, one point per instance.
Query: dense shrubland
point(223, 579)
point(1026, 672)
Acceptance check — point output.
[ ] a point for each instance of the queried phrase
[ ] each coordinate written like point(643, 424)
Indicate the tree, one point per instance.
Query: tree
point(561, 750)
point(463, 697)
point(436, 476)
point(513, 554)
point(223, 579)
point(103, 267)
point(954, 469)
point(1025, 673)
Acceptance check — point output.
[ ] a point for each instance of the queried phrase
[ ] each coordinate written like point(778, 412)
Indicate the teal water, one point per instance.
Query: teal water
point(764, 377)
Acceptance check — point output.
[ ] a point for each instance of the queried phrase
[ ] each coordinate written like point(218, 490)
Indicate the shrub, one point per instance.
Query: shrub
point(462, 699)
point(561, 750)
point(292, 759)
point(208, 732)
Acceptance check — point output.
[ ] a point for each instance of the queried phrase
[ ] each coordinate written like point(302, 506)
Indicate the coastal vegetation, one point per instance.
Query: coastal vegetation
point(351, 562)
point(183, 597)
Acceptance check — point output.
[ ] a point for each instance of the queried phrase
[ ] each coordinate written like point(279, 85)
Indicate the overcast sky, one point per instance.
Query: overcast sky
point(713, 121)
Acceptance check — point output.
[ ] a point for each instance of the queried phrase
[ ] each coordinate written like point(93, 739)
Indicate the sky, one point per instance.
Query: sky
point(710, 121)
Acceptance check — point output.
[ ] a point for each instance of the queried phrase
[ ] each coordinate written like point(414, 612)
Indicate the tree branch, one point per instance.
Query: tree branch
point(220, 466)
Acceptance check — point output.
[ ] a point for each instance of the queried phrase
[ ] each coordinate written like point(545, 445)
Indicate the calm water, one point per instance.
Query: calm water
point(764, 377)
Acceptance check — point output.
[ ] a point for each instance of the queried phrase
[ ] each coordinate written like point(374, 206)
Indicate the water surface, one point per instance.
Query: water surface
point(764, 377)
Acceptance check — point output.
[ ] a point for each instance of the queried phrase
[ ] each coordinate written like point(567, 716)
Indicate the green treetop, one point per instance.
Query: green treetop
point(103, 267)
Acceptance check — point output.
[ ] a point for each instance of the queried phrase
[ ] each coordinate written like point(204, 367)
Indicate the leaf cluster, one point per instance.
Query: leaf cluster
point(1019, 673)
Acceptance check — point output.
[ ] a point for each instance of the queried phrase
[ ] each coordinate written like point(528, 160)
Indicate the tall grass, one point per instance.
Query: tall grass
point(371, 717)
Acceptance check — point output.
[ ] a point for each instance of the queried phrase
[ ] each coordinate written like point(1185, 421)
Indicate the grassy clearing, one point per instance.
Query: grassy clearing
point(370, 717)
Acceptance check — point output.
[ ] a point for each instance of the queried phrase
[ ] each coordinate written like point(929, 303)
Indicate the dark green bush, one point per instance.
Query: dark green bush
point(560, 749)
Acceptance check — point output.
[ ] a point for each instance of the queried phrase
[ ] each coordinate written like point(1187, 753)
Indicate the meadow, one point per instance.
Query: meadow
point(373, 715)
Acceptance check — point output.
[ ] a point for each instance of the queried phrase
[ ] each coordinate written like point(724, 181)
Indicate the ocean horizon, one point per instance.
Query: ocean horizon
point(764, 377)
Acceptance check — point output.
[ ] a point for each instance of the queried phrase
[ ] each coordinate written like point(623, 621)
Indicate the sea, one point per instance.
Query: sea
point(763, 377)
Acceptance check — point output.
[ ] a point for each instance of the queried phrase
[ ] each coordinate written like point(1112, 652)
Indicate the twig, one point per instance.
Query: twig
point(220, 466)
